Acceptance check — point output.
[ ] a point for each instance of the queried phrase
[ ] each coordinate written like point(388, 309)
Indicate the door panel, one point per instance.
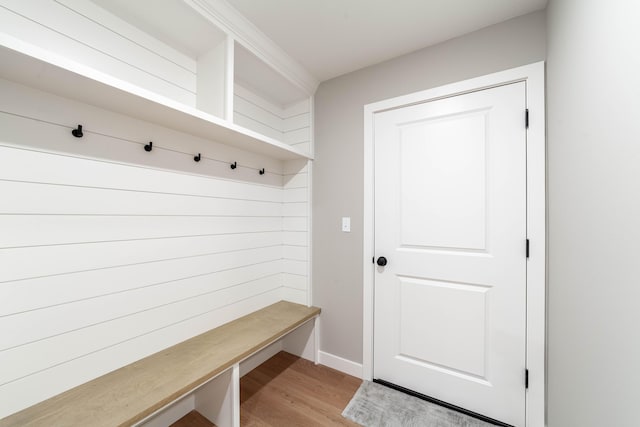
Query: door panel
point(450, 217)
point(425, 307)
point(442, 182)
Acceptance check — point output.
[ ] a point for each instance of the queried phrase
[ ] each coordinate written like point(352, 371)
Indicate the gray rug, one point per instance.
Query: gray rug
point(375, 405)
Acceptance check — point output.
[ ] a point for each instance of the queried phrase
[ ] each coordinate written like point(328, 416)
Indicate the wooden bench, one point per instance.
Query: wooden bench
point(206, 366)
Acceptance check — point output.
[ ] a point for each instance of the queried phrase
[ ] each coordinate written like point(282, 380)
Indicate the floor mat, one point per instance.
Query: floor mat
point(375, 405)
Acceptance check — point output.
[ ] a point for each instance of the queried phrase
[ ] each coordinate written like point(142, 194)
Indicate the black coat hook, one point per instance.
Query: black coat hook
point(234, 165)
point(261, 171)
point(77, 132)
point(197, 158)
point(149, 146)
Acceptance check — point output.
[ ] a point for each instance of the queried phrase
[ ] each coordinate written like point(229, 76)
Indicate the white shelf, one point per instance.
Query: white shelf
point(32, 66)
point(254, 74)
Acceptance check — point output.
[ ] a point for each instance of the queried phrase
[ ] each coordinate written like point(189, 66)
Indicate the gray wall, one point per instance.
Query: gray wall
point(338, 167)
point(593, 98)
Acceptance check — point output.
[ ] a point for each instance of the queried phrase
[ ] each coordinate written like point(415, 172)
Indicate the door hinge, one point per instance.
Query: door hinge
point(526, 118)
point(373, 260)
point(526, 378)
point(527, 248)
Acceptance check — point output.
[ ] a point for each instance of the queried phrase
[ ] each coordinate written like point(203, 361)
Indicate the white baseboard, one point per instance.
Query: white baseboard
point(340, 364)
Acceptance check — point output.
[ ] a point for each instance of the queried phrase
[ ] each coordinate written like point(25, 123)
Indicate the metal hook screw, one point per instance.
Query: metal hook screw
point(77, 132)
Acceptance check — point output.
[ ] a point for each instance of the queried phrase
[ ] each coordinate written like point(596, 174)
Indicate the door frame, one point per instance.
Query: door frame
point(534, 77)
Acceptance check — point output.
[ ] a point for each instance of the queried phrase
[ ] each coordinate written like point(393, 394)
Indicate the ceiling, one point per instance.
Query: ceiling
point(333, 37)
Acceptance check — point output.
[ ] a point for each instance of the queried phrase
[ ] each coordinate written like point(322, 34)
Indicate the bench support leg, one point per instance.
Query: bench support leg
point(236, 395)
point(219, 399)
point(316, 340)
point(302, 341)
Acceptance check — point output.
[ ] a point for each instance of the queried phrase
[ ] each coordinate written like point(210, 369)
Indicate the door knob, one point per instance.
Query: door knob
point(382, 261)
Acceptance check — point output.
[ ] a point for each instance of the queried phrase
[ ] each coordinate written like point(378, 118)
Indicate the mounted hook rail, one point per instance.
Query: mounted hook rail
point(77, 132)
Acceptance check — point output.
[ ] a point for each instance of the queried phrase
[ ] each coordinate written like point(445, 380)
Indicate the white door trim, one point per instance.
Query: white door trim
point(533, 76)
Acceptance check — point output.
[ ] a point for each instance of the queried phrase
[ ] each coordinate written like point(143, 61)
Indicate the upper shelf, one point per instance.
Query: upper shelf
point(30, 65)
point(172, 22)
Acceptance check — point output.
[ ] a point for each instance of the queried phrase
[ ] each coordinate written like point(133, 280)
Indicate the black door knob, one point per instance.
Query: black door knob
point(382, 261)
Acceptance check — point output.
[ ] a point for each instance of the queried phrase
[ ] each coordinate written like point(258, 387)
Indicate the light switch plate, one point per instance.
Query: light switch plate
point(346, 224)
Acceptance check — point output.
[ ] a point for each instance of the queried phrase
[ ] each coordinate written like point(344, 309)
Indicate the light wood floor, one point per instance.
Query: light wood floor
point(289, 391)
point(193, 419)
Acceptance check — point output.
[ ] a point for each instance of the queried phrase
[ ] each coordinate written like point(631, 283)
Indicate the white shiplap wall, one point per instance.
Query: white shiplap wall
point(85, 33)
point(297, 226)
point(291, 124)
point(110, 253)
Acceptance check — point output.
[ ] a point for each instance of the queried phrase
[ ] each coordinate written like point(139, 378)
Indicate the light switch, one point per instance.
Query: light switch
point(346, 224)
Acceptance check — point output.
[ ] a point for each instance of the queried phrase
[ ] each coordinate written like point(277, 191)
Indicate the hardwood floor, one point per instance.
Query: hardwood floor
point(289, 391)
point(193, 419)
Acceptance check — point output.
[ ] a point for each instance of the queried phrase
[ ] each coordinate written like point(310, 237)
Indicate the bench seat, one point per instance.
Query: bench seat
point(130, 394)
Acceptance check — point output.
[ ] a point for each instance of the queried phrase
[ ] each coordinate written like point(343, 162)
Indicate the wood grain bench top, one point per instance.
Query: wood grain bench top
point(131, 393)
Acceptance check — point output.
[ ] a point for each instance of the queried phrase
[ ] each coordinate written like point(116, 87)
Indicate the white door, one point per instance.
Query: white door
point(450, 219)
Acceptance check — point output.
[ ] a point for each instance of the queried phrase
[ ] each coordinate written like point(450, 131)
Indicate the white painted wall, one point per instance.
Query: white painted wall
point(110, 253)
point(338, 166)
point(593, 98)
